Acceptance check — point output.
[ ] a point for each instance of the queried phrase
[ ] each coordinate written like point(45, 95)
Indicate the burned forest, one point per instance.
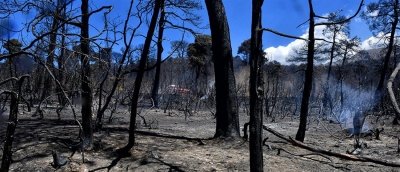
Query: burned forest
point(164, 85)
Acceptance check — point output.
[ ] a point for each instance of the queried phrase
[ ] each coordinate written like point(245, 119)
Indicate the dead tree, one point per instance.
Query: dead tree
point(358, 122)
point(331, 153)
point(13, 120)
point(257, 61)
point(391, 93)
point(227, 117)
point(308, 83)
point(139, 79)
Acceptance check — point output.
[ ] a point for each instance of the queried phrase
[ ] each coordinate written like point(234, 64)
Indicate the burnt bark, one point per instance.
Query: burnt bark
point(12, 124)
point(359, 158)
point(395, 105)
point(301, 132)
point(398, 144)
point(327, 98)
point(160, 49)
point(380, 88)
point(48, 82)
point(87, 133)
point(227, 118)
point(245, 129)
point(139, 78)
point(256, 89)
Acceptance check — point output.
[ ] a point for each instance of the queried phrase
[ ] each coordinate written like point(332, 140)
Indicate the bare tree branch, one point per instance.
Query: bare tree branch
point(282, 34)
point(345, 20)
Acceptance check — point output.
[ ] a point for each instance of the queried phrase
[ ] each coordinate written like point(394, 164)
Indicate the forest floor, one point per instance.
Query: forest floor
point(175, 144)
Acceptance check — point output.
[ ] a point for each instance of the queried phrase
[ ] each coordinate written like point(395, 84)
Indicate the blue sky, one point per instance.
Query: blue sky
point(281, 15)
point(285, 16)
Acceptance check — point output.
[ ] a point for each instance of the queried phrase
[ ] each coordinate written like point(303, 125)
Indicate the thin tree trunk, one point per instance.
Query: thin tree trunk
point(139, 78)
point(341, 80)
point(119, 73)
point(301, 132)
point(48, 82)
point(379, 90)
point(87, 98)
point(327, 98)
point(256, 89)
point(13, 121)
point(160, 49)
point(7, 153)
point(391, 93)
point(60, 61)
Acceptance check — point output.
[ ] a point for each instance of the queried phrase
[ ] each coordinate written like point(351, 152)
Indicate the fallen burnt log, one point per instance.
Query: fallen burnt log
point(330, 153)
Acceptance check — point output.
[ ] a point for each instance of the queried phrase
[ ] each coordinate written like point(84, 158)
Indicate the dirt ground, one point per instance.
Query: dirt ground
point(173, 144)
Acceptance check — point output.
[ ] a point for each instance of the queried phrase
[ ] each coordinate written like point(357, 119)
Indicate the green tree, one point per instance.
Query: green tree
point(199, 53)
point(244, 50)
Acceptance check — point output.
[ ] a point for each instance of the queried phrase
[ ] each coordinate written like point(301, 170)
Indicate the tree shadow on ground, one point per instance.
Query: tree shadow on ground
point(146, 133)
point(144, 159)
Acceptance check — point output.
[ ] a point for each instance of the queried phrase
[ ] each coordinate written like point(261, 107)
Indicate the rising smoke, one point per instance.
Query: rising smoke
point(355, 100)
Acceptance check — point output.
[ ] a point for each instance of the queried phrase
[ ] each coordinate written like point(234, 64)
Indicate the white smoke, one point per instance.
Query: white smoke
point(355, 100)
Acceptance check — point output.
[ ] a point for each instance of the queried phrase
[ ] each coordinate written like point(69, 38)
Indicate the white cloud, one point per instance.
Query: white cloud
point(368, 43)
point(282, 52)
point(375, 42)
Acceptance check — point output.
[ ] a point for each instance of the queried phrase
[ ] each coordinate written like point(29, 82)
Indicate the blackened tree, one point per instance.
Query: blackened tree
point(173, 9)
point(139, 78)
point(300, 135)
point(226, 101)
point(257, 61)
point(384, 22)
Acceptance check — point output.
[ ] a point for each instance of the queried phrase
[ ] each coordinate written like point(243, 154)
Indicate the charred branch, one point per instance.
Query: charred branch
point(330, 153)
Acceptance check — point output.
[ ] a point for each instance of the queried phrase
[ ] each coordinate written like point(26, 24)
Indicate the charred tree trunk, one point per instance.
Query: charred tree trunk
point(301, 132)
point(227, 117)
point(391, 94)
point(100, 114)
point(380, 88)
point(160, 49)
point(139, 77)
point(12, 123)
point(87, 134)
point(341, 79)
point(48, 82)
point(327, 96)
point(256, 89)
point(60, 61)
